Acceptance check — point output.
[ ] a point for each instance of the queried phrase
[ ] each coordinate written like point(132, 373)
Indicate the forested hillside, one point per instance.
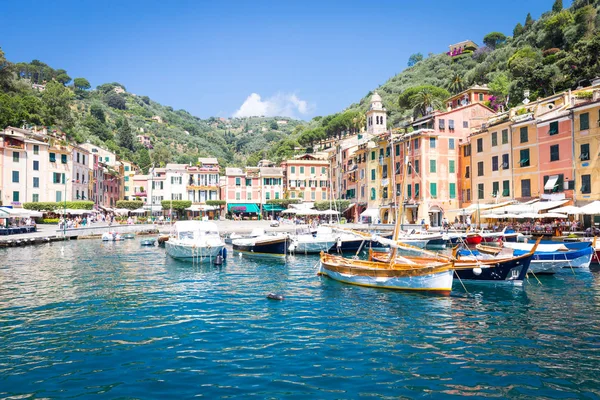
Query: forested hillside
point(559, 51)
point(112, 117)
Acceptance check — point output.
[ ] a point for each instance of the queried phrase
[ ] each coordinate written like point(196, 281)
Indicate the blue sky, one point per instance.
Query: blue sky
point(219, 58)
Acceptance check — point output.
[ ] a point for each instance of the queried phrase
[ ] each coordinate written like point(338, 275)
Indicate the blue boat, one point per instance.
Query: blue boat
point(579, 255)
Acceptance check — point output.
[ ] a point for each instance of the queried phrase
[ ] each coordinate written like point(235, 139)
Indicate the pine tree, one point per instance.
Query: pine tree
point(557, 6)
point(528, 21)
point(143, 160)
point(125, 136)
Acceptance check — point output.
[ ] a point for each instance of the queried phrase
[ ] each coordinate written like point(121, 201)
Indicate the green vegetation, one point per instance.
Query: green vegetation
point(177, 205)
point(57, 206)
point(111, 117)
point(215, 203)
point(568, 35)
point(339, 205)
point(130, 204)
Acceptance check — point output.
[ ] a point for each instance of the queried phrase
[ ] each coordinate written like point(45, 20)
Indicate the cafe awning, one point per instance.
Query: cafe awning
point(273, 207)
point(243, 208)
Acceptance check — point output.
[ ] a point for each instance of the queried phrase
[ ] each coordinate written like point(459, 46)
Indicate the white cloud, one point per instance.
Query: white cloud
point(279, 105)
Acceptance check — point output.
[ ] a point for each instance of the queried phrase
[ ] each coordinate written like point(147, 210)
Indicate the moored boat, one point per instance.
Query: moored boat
point(435, 277)
point(148, 242)
point(263, 246)
point(307, 243)
point(196, 241)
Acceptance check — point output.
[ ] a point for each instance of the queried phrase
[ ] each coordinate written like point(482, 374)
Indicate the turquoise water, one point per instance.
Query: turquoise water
point(114, 320)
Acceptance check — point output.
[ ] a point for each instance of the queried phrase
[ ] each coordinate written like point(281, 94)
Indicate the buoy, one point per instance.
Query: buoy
point(218, 260)
point(275, 296)
point(477, 271)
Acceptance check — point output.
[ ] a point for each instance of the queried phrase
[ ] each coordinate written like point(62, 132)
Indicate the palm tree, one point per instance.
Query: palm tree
point(424, 103)
point(358, 122)
point(456, 84)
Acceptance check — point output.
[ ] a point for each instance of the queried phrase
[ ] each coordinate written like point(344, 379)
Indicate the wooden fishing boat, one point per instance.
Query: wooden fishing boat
point(473, 238)
point(493, 250)
point(433, 276)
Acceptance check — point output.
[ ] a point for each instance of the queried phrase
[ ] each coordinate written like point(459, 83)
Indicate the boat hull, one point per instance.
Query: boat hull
point(271, 248)
point(435, 277)
point(436, 283)
point(473, 239)
point(314, 247)
point(193, 253)
point(512, 270)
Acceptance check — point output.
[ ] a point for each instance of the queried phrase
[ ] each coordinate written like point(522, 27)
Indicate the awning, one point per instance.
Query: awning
point(370, 212)
point(243, 208)
point(551, 182)
point(351, 206)
point(273, 207)
point(200, 207)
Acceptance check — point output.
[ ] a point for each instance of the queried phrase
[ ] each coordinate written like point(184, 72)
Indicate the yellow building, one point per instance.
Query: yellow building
point(465, 173)
point(129, 170)
point(586, 132)
point(526, 157)
point(491, 160)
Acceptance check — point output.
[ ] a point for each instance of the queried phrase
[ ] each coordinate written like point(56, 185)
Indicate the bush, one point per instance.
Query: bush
point(177, 205)
point(48, 221)
point(588, 95)
point(53, 206)
point(339, 205)
point(130, 204)
point(215, 203)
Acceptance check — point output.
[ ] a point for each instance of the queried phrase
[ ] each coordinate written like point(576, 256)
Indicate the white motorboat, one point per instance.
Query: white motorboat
point(197, 241)
point(256, 232)
point(111, 237)
point(322, 240)
point(422, 239)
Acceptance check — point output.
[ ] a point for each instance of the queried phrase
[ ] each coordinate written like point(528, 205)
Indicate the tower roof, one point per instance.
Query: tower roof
point(375, 97)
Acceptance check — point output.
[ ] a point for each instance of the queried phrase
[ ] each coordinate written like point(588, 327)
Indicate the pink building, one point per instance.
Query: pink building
point(431, 187)
point(306, 178)
point(555, 146)
point(242, 191)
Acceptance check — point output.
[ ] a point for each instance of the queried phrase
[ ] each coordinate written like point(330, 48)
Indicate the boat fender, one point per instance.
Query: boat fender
point(339, 242)
point(275, 296)
point(292, 247)
point(218, 260)
point(224, 253)
point(477, 271)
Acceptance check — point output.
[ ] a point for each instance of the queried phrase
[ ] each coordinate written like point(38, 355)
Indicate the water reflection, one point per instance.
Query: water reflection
point(89, 317)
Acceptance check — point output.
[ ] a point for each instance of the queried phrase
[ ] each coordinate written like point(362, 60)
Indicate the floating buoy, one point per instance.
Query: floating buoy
point(477, 271)
point(275, 296)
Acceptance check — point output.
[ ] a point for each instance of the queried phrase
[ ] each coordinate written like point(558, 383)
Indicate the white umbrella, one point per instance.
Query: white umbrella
point(517, 216)
point(553, 215)
point(139, 211)
point(308, 212)
point(530, 215)
point(329, 212)
point(591, 209)
point(121, 211)
point(571, 210)
point(289, 211)
point(491, 216)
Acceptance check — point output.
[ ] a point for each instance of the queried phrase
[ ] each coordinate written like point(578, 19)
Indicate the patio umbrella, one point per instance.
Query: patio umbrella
point(329, 212)
point(289, 211)
point(308, 212)
point(592, 208)
point(571, 210)
point(553, 215)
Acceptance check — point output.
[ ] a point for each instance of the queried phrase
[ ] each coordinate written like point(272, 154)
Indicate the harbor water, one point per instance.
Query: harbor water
point(86, 319)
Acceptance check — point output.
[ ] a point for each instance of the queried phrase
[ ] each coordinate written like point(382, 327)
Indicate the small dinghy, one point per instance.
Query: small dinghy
point(129, 236)
point(111, 237)
point(148, 242)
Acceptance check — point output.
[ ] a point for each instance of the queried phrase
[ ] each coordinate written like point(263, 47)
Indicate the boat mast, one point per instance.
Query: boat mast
point(399, 216)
